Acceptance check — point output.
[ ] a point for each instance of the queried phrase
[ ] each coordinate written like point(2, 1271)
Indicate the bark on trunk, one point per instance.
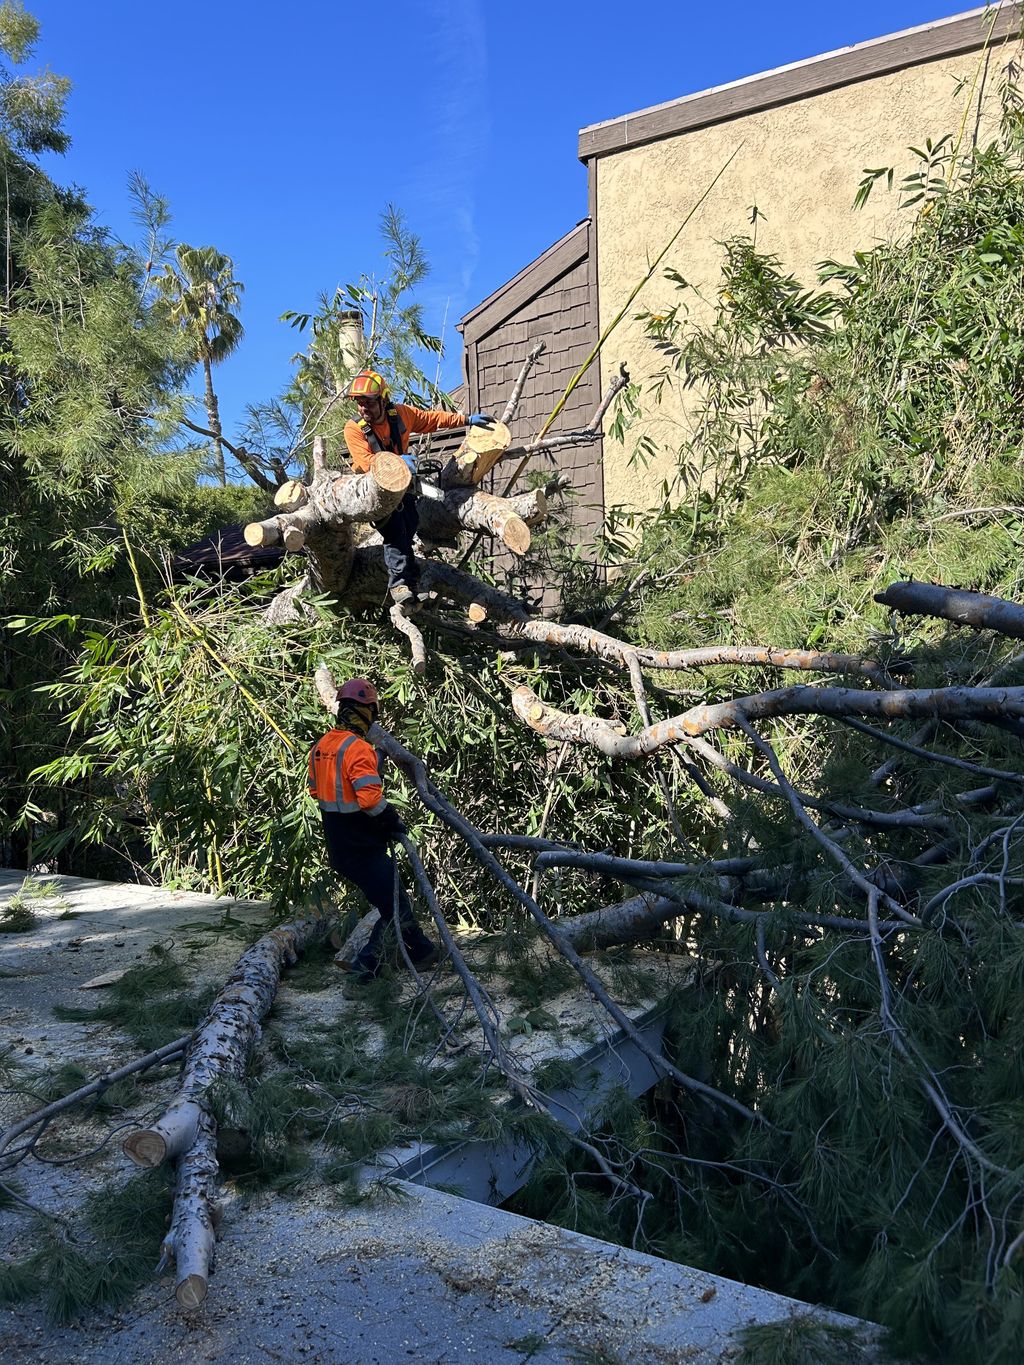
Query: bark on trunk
point(631, 921)
point(221, 1045)
point(219, 1050)
point(973, 609)
point(172, 1134)
point(213, 416)
point(357, 940)
point(368, 584)
point(323, 523)
point(465, 509)
point(996, 705)
point(191, 1240)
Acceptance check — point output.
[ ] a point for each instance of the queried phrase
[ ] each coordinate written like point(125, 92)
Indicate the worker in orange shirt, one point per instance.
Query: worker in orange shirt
point(345, 782)
point(384, 425)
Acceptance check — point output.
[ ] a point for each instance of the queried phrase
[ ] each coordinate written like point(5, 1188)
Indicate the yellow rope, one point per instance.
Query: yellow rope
point(596, 350)
point(983, 58)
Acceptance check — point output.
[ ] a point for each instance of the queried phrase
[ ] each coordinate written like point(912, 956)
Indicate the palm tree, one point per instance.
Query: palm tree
point(200, 291)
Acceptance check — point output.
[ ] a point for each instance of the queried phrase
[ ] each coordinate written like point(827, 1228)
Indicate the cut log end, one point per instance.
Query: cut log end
point(293, 538)
point(481, 450)
point(390, 471)
point(477, 613)
point(516, 535)
point(258, 534)
point(192, 1291)
point(146, 1148)
point(356, 941)
point(291, 495)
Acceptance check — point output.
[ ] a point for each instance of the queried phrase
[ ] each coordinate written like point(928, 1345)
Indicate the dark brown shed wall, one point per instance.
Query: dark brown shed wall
point(552, 299)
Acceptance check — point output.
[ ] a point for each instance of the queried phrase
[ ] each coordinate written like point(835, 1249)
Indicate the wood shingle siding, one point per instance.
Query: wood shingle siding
point(551, 300)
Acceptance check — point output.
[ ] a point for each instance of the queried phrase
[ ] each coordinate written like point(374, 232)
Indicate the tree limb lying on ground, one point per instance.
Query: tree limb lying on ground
point(218, 1052)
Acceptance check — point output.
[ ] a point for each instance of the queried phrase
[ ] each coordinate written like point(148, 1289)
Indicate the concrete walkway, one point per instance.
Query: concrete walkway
point(423, 1276)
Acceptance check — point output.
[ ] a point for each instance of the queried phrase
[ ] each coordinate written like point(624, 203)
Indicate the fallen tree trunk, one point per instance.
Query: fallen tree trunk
point(191, 1239)
point(221, 1045)
point(219, 1051)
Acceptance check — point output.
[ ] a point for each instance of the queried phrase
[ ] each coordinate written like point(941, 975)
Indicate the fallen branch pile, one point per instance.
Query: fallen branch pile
point(862, 875)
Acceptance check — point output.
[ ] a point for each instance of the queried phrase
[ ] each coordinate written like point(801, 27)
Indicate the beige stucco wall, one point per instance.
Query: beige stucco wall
point(801, 164)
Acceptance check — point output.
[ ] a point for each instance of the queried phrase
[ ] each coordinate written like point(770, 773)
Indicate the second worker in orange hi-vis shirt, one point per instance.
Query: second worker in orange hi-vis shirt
point(345, 782)
point(384, 425)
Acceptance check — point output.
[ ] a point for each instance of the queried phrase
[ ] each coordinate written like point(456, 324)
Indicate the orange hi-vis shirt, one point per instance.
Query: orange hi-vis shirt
point(417, 422)
point(343, 774)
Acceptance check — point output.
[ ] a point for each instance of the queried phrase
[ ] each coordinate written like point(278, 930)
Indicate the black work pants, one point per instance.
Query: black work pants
point(367, 863)
point(398, 533)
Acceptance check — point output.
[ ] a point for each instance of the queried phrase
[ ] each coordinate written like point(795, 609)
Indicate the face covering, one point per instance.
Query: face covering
point(355, 717)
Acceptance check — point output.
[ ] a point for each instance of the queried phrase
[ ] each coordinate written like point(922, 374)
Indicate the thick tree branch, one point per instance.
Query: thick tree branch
point(512, 406)
point(241, 455)
point(979, 703)
point(964, 608)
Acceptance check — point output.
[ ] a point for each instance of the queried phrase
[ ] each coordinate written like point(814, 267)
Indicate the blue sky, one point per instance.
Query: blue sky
point(279, 132)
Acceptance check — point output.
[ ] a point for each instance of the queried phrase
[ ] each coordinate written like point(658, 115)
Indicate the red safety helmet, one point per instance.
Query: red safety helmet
point(358, 689)
point(368, 384)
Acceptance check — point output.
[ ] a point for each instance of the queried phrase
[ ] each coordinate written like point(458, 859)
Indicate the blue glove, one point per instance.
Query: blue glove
point(409, 460)
point(480, 419)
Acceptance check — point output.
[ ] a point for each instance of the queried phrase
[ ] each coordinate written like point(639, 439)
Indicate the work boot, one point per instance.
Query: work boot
point(355, 987)
point(423, 952)
point(421, 949)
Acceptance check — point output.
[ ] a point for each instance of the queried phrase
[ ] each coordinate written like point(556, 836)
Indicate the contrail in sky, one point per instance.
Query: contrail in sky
point(443, 186)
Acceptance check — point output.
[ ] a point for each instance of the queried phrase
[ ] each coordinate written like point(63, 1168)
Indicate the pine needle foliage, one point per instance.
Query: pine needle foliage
point(802, 1340)
point(17, 916)
point(843, 436)
point(151, 1002)
point(101, 1265)
point(323, 1106)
